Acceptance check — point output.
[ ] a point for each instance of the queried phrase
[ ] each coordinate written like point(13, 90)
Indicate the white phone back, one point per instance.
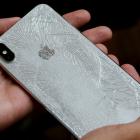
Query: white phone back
point(67, 74)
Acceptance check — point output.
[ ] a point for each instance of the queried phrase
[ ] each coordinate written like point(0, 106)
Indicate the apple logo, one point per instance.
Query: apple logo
point(46, 53)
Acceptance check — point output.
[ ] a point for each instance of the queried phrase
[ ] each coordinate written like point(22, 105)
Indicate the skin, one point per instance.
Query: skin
point(15, 103)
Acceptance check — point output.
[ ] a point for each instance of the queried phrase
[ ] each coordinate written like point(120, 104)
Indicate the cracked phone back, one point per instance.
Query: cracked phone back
point(68, 75)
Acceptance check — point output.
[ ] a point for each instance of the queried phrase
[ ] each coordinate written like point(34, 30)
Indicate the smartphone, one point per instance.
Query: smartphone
point(76, 82)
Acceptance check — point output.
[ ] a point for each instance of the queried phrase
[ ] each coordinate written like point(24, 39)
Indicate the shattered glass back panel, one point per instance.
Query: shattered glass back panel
point(67, 74)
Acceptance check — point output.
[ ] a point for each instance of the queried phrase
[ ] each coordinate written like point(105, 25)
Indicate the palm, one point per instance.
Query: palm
point(14, 101)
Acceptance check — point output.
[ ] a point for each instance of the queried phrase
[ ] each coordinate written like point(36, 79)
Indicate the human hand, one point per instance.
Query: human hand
point(15, 103)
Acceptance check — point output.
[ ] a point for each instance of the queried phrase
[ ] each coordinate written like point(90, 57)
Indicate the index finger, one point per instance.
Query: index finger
point(78, 18)
point(6, 23)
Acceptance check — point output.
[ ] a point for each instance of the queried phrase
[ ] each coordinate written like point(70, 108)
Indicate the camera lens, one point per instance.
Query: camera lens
point(6, 53)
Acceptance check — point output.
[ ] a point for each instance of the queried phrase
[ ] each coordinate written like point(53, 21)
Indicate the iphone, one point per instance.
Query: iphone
point(76, 82)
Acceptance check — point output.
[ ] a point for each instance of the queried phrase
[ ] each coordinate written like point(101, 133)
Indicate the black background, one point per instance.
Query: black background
point(115, 13)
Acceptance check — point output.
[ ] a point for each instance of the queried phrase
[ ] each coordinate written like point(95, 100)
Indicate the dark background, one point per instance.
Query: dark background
point(115, 13)
point(120, 15)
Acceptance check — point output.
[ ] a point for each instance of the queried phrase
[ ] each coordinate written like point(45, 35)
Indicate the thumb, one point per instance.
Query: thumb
point(129, 131)
point(6, 23)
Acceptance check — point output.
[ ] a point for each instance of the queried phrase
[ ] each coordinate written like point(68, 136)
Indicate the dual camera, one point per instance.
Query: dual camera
point(6, 53)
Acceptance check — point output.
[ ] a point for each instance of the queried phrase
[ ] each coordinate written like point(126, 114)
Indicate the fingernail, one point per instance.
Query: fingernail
point(84, 14)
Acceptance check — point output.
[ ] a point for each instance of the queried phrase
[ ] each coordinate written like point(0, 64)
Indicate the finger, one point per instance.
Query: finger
point(114, 58)
point(131, 71)
point(78, 18)
point(6, 23)
point(98, 34)
point(103, 48)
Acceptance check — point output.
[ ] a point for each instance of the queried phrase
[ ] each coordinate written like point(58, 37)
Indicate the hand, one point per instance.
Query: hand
point(15, 103)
